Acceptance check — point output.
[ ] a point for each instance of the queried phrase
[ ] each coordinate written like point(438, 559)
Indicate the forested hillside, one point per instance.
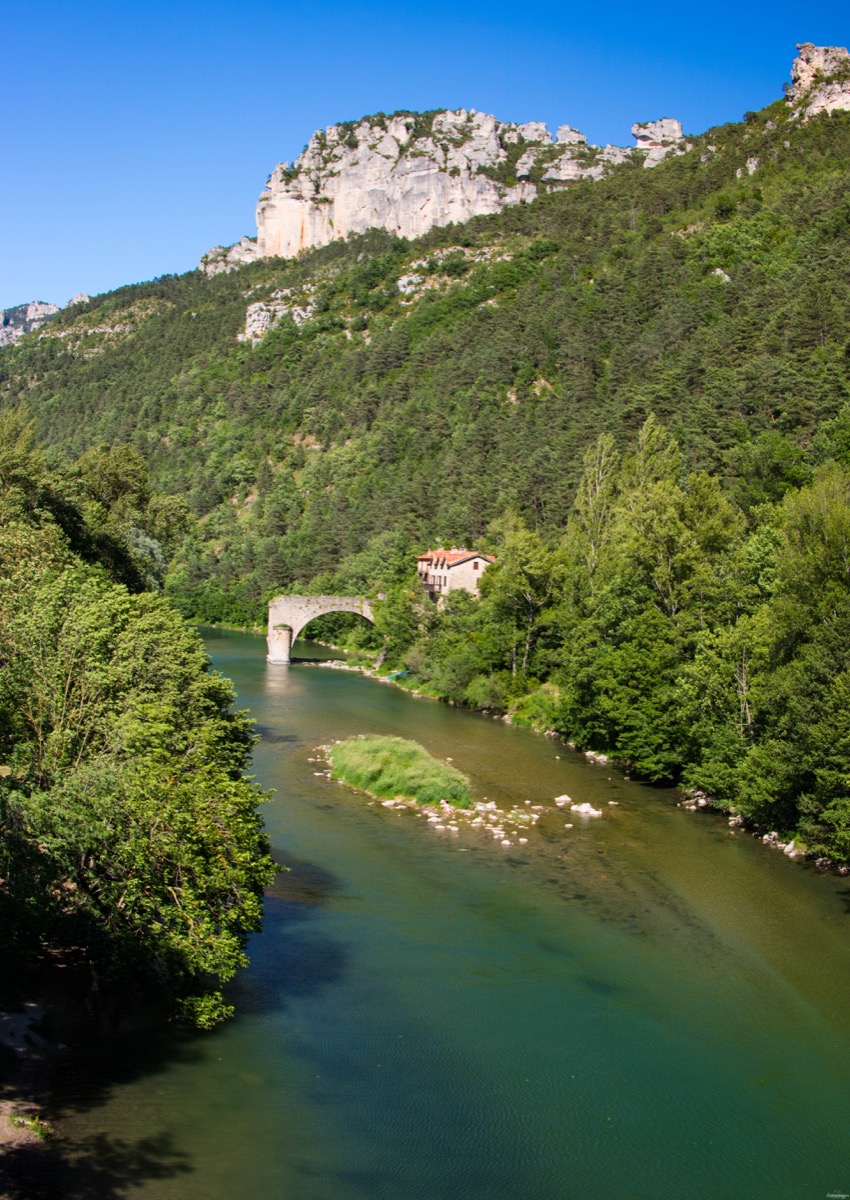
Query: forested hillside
point(633, 392)
point(438, 407)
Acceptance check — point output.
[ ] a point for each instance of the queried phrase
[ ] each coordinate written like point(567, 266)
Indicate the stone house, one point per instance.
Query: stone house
point(443, 571)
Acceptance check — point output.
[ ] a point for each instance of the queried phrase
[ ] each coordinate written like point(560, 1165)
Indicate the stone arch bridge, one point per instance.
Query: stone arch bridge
point(289, 614)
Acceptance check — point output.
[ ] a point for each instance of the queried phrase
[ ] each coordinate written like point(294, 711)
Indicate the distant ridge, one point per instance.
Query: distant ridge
point(408, 172)
point(25, 318)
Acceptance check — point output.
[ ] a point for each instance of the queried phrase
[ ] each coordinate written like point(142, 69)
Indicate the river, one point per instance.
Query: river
point(646, 1006)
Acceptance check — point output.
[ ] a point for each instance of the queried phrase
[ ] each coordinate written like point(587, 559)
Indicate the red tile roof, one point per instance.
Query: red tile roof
point(450, 558)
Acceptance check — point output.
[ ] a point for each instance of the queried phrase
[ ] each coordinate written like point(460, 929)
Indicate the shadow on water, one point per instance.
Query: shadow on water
point(96, 1168)
point(272, 737)
point(290, 962)
point(301, 882)
point(102, 1061)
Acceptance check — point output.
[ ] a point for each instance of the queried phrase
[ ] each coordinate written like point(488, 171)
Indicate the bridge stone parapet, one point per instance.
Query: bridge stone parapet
point(289, 614)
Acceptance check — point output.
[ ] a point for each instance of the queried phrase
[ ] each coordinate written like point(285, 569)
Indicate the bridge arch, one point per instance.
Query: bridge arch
point(289, 614)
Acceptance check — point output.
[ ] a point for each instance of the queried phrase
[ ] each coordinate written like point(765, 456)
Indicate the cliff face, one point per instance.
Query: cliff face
point(381, 175)
point(23, 318)
point(820, 79)
point(409, 172)
point(225, 258)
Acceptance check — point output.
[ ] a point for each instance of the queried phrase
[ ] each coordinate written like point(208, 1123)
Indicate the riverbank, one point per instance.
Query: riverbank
point(259, 630)
point(57, 1022)
point(692, 801)
point(26, 1057)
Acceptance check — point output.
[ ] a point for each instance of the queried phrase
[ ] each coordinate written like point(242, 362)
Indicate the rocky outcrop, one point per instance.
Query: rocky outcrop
point(380, 174)
point(409, 172)
point(23, 318)
point(820, 80)
point(261, 316)
point(225, 258)
point(657, 139)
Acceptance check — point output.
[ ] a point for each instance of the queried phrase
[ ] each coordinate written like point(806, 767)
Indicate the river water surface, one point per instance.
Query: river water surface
point(648, 1005)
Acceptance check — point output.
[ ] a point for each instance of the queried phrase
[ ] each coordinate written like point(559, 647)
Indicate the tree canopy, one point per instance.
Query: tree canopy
point(128, 832)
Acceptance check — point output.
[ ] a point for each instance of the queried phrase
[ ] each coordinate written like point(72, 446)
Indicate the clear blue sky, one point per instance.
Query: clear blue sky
point(137, 135)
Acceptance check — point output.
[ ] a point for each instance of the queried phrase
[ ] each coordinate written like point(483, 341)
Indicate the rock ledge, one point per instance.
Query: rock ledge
point(820, 80)
point(408, 172)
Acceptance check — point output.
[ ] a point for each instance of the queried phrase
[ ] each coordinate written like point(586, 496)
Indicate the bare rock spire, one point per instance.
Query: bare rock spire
point(820, 80)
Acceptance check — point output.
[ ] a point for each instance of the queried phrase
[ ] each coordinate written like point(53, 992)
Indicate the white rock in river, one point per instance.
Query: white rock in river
point(586, 810)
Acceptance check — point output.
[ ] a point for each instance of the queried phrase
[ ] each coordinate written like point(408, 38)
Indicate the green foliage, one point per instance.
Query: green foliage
point(390, 767)
point(537, 709)
point(34, 1125)
point(634, 392)
point(517, 590)
point(398, 620)
point(766, 468)
point(128, 833)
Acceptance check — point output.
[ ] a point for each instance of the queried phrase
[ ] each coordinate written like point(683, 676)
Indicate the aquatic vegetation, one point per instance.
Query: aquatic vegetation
point(389, 767)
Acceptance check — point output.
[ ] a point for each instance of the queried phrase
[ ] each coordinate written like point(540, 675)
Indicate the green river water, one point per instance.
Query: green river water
point(646, 1006)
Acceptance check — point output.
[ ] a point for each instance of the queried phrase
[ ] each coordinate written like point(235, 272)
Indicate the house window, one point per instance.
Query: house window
point(475, 565)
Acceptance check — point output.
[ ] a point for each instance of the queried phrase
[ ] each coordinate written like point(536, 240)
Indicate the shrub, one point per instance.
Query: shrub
point(538, 709)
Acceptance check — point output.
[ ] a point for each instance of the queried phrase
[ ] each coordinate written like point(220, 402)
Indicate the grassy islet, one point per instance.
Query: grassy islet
point(389, 767)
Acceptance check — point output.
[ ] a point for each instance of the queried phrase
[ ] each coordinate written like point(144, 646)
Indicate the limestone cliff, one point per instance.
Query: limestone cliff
point(23, 318)
point(411, 171)
point(820, 79)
